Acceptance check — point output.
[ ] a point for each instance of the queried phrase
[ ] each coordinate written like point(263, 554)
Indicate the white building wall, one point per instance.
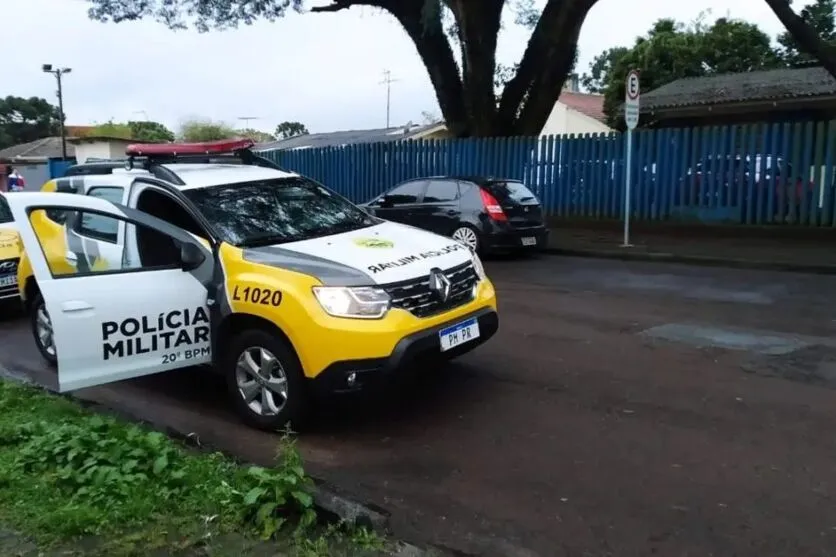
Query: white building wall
point(100, 150)
point(564, 120)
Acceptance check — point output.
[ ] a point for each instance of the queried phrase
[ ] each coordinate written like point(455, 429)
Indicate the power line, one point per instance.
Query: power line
point(388, 81)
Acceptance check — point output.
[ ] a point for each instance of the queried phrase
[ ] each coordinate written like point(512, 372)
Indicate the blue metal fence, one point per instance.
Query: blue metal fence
point(752, 174)
point(57, 167)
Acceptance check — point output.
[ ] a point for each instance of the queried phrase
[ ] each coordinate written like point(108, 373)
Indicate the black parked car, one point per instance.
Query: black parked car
point(486, 214)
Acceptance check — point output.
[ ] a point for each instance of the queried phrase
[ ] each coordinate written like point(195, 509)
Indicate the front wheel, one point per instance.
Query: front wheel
point(468, 236)
point(42, 330)
point(265, 380)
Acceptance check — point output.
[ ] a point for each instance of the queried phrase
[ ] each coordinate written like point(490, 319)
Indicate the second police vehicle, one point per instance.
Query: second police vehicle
point(208, 254)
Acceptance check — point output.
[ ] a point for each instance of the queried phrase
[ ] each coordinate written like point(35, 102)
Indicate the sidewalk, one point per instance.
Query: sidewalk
point(812, 255)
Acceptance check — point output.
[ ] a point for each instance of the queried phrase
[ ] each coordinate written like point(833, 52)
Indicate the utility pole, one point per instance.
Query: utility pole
point(388, 81)
point(58, 72)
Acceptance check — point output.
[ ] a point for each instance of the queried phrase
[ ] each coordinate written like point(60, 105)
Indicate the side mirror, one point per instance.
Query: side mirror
point(385, 201)
point(191, 256)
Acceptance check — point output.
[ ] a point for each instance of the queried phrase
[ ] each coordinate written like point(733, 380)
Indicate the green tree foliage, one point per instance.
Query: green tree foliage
point(672, 50)
point(150, 131)
point(601, 69)
point(206, 130)
point(290, 129)
point(139, 130)
point(464, 84)
point(111, 129)
point(256, 135)
point(821, 16)
point(23, 120)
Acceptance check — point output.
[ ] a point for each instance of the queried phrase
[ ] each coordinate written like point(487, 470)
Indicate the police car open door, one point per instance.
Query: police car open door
point(114, 317)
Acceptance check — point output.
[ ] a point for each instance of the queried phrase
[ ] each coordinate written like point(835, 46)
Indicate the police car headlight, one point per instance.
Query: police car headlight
point(355, 303)
point(477, 266)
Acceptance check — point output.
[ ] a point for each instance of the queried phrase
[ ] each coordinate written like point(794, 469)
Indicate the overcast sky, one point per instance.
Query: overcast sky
point(323, 70)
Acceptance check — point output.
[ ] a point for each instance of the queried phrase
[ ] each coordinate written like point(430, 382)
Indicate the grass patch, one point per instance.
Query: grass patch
point(71, 477)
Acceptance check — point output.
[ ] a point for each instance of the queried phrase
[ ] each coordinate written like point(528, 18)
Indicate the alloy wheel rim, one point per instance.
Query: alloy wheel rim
point(466, 236)
point(262, 381)
point(43, 328)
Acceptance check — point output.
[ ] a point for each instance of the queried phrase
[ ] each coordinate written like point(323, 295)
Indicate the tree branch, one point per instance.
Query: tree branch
point(339, 5)
point(552, 42)
point(427, 33)
point(544, 93)
point(805, 35)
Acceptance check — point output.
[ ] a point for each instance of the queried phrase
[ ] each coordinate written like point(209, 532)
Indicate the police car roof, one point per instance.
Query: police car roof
point(197, 175)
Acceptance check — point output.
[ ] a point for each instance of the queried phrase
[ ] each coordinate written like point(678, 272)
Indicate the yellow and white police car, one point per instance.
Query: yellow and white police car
point(209, 254)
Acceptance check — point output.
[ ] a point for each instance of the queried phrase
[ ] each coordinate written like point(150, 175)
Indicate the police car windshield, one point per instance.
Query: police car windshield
point(275, 211)
point(5, 212)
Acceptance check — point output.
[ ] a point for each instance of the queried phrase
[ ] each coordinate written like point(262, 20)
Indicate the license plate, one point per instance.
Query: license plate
point(8, 280)
point(457, 335)
point(529, 241)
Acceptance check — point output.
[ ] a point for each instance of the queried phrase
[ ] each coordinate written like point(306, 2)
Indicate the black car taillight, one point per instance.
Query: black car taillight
point(492, 206)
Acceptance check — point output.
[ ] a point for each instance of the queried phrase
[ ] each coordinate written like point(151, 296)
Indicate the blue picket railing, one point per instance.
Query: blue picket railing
point(749, 174)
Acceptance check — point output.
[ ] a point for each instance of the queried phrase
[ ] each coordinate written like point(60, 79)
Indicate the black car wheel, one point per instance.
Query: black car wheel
point(265, 381)
point(468, 236)
point(42, 330)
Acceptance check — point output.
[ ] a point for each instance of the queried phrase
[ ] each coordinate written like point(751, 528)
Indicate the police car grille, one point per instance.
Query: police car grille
point(416, 297)
point(8, 267)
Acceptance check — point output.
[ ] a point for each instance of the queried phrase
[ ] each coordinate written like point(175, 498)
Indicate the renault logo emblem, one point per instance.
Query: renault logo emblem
point(440, 284)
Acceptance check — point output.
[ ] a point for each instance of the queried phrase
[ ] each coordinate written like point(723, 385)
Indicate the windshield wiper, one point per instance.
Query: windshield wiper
point(348, 226)
point(262, 241)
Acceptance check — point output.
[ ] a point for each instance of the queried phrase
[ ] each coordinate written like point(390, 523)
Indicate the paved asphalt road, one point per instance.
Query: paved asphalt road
point(623, 409)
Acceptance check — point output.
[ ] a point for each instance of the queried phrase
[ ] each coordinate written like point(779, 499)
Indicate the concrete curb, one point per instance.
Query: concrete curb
point(661, 257)
point(326, 498)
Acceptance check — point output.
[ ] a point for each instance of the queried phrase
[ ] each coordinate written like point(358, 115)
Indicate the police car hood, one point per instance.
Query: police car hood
point(380, 254)
point(10, 246)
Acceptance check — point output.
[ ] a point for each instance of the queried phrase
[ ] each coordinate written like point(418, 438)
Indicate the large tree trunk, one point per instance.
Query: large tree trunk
point(466, 95)
point(478, 23)
point(805, 35)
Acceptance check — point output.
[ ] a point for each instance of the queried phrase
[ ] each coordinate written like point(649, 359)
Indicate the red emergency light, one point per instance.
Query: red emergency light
point(174, 149)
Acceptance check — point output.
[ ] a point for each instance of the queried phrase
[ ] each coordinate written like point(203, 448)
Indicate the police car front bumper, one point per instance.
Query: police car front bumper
point(420, 347)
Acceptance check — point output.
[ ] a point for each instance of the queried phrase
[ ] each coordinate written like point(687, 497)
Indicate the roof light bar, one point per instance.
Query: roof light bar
point(174, 149)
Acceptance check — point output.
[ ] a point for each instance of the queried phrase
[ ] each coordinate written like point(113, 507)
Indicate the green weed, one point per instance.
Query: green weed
point(66, 473)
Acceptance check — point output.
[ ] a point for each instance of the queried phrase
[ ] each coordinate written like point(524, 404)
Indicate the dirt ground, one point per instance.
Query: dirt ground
point(623, 409)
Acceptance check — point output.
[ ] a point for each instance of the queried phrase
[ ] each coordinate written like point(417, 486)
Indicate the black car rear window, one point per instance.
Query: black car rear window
point(511, 192)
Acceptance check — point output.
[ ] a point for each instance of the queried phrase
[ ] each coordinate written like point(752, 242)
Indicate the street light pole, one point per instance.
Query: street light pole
point(58, 72)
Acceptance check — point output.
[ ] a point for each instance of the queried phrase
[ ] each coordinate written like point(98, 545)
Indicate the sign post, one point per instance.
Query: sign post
point(631, 118)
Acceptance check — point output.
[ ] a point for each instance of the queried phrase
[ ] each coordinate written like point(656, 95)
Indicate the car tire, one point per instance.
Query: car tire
point(45, 342)
point(264, 380)
point(469, 236)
